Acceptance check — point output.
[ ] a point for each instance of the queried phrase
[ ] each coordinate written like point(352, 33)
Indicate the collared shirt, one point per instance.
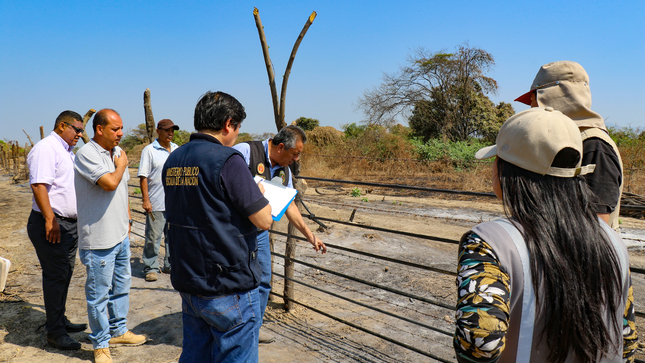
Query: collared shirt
point(51, 162)
point(102, 215)
point(153, 157)
point(245, 149)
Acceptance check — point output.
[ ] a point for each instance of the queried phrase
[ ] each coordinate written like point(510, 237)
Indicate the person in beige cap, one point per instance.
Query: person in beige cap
point(153, 157)
point(549, 283)
point(564, 85)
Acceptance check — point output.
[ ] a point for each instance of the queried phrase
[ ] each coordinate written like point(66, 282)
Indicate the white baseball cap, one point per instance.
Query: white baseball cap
point(531, 139)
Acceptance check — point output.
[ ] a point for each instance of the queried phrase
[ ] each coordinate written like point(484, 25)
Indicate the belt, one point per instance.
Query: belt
point(67, 219)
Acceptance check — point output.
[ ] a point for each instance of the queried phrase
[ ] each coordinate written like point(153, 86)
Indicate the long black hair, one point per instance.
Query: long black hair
point(575, 271)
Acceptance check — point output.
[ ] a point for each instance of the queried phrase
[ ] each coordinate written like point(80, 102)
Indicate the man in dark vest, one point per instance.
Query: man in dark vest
point(213, 212)
point(270, 159)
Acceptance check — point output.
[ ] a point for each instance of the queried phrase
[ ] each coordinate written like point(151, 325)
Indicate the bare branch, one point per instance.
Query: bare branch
point(86, 118)
point(287, 72)
point(269, 65)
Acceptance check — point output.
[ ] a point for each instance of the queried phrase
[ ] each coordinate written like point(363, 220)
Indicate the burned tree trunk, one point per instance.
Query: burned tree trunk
point(279, 114)
point(279, 105)
point(290, 254)
point(86, 118)
point(150, 119)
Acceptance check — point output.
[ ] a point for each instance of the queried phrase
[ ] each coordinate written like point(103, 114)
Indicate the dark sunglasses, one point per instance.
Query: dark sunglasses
point(78, 130)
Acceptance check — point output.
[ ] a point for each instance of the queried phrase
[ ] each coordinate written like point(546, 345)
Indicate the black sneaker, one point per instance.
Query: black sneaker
point(63, 342)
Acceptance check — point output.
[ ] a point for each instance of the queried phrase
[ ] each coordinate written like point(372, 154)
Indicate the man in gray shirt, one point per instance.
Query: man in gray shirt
point(101, 182)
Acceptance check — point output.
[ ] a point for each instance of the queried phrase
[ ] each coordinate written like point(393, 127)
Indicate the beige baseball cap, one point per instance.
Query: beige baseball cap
point(531, 139)
point(552, 74)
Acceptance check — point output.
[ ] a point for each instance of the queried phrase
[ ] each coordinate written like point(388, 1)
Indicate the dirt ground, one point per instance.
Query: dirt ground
point(302, 335)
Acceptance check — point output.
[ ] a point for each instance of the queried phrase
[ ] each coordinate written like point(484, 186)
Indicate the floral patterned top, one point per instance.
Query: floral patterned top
point(483, 308)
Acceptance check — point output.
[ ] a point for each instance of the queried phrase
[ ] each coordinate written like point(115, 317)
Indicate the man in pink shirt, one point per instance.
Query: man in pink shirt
point(52, 223)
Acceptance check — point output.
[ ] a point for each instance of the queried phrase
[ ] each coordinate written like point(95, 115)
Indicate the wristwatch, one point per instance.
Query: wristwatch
point(130, 221)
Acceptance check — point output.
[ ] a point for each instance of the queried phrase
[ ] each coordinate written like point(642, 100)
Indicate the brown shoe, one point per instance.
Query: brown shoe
point(102, 355)
point(151, 276)
point(129, 339)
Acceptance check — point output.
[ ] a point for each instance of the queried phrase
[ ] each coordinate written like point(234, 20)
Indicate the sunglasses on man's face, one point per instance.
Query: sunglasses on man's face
point(79, 130)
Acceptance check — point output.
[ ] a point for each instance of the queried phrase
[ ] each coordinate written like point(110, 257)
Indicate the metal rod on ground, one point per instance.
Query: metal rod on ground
point(358, 327)
point(415, 322)
point(372, 284)
point(389, 259)
point(397, 186)
point(311, 215)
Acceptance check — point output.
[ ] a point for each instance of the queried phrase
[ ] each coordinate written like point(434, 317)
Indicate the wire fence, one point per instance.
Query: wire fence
point(344, 283)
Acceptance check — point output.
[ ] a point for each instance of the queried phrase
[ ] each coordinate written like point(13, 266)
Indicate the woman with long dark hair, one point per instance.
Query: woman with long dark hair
point(550, 283)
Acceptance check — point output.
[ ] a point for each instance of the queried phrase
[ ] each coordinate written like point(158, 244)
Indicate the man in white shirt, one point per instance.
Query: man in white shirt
point(52, 223)
point(153, 157)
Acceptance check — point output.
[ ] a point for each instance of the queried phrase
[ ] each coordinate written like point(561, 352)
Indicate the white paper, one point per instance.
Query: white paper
point(278, 195)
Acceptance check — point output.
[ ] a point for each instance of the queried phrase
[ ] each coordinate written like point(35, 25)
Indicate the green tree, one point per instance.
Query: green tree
point(181, 137)
point(353, 130)
point(307, 124)
point(442, 95)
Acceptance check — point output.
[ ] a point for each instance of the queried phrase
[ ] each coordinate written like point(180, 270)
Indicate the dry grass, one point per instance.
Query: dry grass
point(379, 156)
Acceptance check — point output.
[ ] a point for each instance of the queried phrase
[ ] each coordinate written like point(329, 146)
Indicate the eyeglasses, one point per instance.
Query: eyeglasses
point(79, 130)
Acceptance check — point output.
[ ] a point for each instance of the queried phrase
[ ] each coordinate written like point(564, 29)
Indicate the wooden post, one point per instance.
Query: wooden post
point(88, 115)
point(271, 246)
point(42, 133)
point(14, 156)
point(28, 137)
point(150, 119)
point(290, 253)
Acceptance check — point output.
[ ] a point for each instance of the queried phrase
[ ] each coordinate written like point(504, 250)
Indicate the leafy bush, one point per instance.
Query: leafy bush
point(353, 130)
point(181, 137)
point(307, 124)
point(355, 192)
point(461, 153)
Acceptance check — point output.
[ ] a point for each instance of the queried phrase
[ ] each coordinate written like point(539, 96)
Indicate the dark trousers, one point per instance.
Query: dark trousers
point(57, 261)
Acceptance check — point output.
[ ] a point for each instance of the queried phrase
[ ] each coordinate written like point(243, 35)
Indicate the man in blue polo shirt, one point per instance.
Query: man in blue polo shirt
point(153, 157)
point(213, 211)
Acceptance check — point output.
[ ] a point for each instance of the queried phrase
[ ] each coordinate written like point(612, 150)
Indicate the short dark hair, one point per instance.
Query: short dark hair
point(289, 136)
point(101, 118)
point(67, 116)
point(215, 108)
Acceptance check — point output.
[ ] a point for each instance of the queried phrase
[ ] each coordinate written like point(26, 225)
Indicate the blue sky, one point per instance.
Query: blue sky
point(58, 55)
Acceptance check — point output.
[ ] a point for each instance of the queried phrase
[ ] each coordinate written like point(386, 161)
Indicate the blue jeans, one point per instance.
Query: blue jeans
point(264, 258)
point(154, 231)
point(107, 290)
point(220, 328)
